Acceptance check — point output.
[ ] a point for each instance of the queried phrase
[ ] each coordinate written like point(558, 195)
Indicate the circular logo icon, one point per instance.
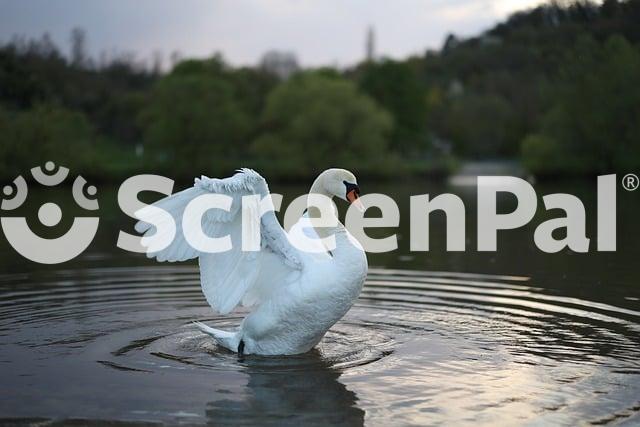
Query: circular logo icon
point(34, 247)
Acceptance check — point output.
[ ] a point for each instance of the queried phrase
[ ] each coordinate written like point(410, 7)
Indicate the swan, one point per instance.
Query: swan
point(295, 295)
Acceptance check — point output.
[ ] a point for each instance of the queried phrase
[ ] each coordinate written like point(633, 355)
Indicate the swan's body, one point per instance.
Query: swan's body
point(295, 295)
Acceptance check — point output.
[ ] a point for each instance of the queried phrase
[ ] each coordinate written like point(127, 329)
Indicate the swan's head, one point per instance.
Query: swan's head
point(342, 184)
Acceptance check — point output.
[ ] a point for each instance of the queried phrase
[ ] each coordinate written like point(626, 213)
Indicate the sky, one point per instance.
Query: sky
point(318, 32)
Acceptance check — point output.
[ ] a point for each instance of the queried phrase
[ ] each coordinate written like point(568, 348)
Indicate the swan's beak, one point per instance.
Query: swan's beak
point(352, 197)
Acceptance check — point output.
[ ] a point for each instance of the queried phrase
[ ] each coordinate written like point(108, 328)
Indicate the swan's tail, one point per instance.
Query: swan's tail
point(229, 340)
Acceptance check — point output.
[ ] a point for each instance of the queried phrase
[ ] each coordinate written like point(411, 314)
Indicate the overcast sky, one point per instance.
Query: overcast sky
point(319, 32)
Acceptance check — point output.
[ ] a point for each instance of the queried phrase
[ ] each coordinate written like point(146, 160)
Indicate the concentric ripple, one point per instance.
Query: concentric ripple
point(417, 348)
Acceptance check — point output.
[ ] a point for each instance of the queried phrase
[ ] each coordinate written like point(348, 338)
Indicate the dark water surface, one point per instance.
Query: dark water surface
point(516, 337)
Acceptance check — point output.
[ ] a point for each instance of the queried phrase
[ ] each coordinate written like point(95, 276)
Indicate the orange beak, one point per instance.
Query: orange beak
point(353, 198)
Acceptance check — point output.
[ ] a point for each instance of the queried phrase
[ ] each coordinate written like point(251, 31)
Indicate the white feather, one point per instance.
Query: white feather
point(296, 294)
point(227, 276)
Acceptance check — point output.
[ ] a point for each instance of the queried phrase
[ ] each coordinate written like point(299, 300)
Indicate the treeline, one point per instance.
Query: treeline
point(112, 120)
point(557, 87)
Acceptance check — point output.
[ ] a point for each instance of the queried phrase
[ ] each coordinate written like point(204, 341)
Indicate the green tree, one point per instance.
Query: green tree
point(594, 121)
point(45, 133)
point(314, 121)
point(193, 121)
point(479, 125)
point(396, 86)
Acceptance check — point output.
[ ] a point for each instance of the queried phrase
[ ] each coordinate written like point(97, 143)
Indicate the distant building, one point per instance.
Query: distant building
point(456, 88)
point(371, 45)
point(281, 64)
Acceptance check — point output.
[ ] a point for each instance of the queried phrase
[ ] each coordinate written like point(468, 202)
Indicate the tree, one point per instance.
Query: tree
point(79, 55)
point(594, 121)
point(396, 86)
point(193, 121)
point(610, 8)
point(314, 121)
point(479, 125)
point(45, 133)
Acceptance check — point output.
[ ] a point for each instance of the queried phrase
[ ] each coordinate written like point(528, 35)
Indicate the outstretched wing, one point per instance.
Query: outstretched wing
point(233, 276)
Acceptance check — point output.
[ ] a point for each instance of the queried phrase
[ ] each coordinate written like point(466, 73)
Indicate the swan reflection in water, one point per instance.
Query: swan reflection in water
point(295, 390)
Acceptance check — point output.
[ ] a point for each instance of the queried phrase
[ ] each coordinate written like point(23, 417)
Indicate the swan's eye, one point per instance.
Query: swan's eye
point(352, 190)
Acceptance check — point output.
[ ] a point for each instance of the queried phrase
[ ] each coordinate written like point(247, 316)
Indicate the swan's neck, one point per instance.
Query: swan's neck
point(318, 187)
point(314, 212)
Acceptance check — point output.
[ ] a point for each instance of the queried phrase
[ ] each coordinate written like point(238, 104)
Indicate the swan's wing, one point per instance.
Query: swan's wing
point(227, 276)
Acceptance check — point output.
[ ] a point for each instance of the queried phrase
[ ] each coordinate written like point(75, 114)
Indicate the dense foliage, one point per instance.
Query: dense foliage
point(557, 87)
point(313, 119)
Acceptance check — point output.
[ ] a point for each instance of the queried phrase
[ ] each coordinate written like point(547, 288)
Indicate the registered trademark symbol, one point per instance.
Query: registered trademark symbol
point(630, 182)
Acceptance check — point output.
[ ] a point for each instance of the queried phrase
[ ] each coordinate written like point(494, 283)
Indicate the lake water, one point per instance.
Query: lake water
point(516, 337)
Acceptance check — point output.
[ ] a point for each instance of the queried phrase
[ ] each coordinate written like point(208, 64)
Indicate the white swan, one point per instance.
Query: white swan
point(295, 295)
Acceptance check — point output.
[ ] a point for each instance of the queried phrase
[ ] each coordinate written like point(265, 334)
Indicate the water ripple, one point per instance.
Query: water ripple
point(418, 347)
